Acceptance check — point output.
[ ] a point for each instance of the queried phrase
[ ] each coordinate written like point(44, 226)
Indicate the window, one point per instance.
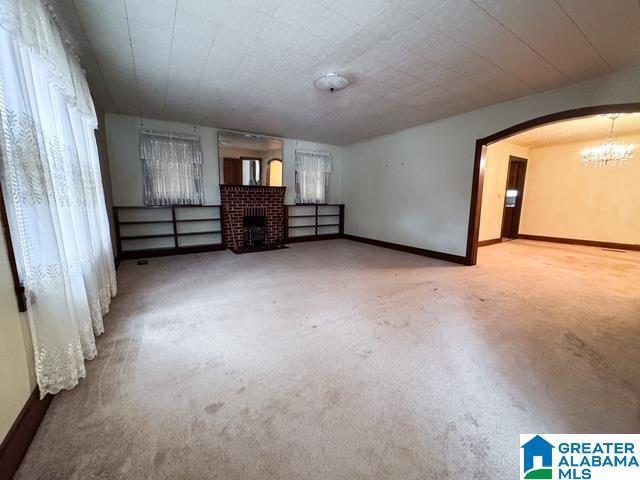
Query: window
point(510, 198)
point(251, 173)
point(172, 168)
point(313, 170)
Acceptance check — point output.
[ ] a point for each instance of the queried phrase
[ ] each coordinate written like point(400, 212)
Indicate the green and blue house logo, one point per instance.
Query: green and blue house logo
point(537, 459)
point(579, 456)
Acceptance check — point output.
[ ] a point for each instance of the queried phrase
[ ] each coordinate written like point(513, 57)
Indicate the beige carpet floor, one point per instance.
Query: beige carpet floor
point(339, 360)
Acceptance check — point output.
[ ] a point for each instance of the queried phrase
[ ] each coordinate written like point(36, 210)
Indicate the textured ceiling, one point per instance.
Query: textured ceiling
point(251, 64)
point(589, 129)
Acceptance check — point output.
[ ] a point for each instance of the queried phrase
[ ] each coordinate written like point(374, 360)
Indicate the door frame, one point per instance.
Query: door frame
point(475, 206)
point(267, 179)
point(513, 159)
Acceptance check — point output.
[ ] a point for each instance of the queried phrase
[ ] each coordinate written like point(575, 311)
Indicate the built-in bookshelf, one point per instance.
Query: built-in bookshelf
point(314, 222)
point(143, 231)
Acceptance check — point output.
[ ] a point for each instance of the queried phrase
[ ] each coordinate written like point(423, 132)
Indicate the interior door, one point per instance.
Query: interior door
point(513, 197)
point(232, 171)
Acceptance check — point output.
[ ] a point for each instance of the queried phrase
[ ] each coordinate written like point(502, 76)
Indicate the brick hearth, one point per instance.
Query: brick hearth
point(238, 201)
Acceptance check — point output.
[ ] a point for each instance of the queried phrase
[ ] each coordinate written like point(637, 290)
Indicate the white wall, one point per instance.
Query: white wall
point(565, 199)
point(413, 187)
point(17, 379)
point(126, 168)
point(494, 187)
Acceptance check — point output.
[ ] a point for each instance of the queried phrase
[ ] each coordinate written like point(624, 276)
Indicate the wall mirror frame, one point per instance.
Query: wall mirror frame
point(249, 159)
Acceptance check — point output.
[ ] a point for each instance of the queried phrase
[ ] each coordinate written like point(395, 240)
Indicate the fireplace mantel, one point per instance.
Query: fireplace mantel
point(250, 188)
point(239, 201)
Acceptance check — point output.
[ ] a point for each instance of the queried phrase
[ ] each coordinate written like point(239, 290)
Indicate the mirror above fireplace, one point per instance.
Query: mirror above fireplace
point(249, 159)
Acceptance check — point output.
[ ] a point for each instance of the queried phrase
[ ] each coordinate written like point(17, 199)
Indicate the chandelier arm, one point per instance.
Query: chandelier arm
point(613, 121)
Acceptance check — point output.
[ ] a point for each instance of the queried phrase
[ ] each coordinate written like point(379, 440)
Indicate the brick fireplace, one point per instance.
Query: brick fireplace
point(240, 203)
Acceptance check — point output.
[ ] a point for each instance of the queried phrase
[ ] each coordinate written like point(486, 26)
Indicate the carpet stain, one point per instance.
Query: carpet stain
point(478, 447)
point(214, 408)
point(334, 395)
point(364, 354)
point(581, 349)
point(160, 458)
point(471, 419)
point(224, 434)
point(518, 405)
point(240, 390)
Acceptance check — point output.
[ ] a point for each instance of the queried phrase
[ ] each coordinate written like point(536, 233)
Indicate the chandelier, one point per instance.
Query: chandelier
point(611, 153)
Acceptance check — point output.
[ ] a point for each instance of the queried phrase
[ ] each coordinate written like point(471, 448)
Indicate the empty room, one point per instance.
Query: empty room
point(319, 239)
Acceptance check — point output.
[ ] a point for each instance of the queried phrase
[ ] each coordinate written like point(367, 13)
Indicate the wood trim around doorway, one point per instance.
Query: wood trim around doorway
point(475, 205)
point(512, 159)
point(492, 241)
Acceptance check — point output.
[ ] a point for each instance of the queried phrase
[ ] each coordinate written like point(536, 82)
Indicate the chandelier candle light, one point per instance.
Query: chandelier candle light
point(611, 153)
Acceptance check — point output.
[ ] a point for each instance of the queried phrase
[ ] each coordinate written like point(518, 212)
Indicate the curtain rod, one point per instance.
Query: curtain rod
point(161, 133)
point(311, 152)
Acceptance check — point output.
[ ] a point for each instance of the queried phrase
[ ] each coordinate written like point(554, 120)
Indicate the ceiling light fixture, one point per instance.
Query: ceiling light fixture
point(610, 153)
point(331, 82)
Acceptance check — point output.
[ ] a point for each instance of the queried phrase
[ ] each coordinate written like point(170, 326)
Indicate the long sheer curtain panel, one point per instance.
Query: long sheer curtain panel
point(53, 191)
point(313, 171)
point(172, 168)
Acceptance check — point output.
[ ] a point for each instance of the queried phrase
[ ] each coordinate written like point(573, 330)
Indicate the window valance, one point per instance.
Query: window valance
point(31, 24)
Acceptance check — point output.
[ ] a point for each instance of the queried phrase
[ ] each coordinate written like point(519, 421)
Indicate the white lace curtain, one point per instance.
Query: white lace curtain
point(172, 168)
point(313, 171)
point(53, 192)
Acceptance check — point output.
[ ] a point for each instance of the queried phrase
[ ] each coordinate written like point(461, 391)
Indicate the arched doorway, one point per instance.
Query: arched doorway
point(480, 153)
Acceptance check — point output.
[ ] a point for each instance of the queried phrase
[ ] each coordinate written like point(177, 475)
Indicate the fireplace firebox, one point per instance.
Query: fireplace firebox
point(255, 231)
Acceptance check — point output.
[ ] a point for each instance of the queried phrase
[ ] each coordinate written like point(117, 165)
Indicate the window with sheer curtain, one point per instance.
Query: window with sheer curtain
point(172, 168)
point(50, 173)
point(313, 171)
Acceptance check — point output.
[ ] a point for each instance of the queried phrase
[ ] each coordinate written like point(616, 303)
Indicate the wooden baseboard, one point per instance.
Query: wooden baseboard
point(16, 443)
point(492, 241)
point(265, 248)
point(313, 238)
point(586, 243)
point(415, 250)
point(165, 252)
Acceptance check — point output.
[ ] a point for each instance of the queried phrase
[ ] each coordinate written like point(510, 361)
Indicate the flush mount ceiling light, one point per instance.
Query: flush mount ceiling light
point(610, 153)
point(332, 82)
